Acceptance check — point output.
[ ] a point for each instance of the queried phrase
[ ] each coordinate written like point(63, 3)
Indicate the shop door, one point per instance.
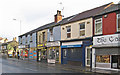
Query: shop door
point(38, 55)
point(64, 56)
point(88, 56)
point(119, 62)
point(116, 61)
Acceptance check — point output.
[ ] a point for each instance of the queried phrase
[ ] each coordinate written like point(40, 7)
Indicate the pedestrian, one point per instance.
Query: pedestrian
point(18, 55)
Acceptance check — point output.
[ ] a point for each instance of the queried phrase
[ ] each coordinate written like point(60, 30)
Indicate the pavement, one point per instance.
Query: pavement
point(68, 68)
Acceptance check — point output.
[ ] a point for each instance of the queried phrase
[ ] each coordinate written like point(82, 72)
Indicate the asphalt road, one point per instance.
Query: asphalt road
point(18, 67)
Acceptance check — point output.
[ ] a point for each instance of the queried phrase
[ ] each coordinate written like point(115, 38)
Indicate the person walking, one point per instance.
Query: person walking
point(18, 55)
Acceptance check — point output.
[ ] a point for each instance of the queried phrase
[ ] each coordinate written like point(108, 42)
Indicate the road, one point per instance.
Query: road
point(10, 66)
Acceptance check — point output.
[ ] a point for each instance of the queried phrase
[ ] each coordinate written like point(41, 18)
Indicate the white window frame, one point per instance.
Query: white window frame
point(81, 29)
point(95, 26)
point(117, 21)
point(69, 32)
point(86, 56)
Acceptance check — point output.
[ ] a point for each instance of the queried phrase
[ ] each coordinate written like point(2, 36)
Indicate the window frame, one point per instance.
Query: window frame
point(43, 35)
point(81, 29)
point(117, 22)
point(101, 26)
point(68, 32)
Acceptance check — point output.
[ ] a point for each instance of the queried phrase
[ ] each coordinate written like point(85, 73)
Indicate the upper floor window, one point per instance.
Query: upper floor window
point(98, 26)
point(82, 29)
point(30, 37)
point(39, 38)
point(26, 38)
point(43, 36)
point(68, 31)
point(118, 22)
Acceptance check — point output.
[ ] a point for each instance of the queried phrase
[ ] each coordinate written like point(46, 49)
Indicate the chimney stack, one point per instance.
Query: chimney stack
point(58, 16)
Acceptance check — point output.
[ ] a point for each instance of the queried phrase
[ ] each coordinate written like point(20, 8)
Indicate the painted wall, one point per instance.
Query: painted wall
point(40, 36)
point(24, 38)
point(109, 24)
point(56, 34)
point(33, 43)
point(75, 29)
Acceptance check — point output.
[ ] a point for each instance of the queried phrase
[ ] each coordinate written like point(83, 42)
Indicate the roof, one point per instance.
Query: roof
point(87, 14)
point(112, 8)
point(83, 15)
point(47, 26)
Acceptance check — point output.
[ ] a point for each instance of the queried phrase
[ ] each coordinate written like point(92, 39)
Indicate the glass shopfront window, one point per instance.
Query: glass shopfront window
point(103, 58)
point(51, 53)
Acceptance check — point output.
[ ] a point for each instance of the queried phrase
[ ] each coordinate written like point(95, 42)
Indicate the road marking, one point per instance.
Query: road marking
point(31, 69)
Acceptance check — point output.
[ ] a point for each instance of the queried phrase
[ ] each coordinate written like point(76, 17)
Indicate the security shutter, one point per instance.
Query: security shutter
point(74, 54)
point(107, 51)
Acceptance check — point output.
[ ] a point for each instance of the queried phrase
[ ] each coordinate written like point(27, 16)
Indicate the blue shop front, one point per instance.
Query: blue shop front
point(76, 52)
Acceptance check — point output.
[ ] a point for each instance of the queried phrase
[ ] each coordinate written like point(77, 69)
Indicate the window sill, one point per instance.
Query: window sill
point(98, 35)
point(117, 32)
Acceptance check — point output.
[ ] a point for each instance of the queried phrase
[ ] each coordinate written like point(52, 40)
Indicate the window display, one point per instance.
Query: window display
point(103, 58)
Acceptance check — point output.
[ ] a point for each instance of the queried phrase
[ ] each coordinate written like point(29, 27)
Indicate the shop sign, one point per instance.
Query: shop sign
point(22, 46)
point(70, 46)
point(41, 45)
point(107, 39)
point(53, 44)
point(72, 43)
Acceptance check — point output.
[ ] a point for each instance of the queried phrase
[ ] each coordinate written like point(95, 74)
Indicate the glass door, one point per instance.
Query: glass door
point(116, 61)
point(88, 56)
point(119, 62)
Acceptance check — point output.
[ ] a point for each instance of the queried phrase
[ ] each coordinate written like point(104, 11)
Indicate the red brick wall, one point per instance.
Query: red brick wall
point(109, 24)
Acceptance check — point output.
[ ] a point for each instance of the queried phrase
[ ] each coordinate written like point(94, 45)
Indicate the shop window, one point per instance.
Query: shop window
point(98, 26)
point(68, 31)
point(43, 36)
point(82, 29)
point(118, 22)
point(103, 58)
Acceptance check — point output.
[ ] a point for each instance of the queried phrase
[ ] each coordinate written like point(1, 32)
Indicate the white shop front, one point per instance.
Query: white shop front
point(53, 51)
point(106, 52)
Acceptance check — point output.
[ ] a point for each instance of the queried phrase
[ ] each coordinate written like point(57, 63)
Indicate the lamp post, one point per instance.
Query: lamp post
point(20, 25)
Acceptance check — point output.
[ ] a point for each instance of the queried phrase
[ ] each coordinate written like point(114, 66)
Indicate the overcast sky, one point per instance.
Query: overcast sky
point(35, 13)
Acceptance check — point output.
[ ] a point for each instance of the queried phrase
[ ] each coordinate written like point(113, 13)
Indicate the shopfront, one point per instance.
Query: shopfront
point(24, 51)
point(107, 51)
point(78, 53)
point(33, 53)
point(42, 52)
point(53, 52)
point(72, 53)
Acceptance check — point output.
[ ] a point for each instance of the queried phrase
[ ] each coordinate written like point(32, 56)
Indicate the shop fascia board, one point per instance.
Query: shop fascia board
point(106, 45)
point(53, 44)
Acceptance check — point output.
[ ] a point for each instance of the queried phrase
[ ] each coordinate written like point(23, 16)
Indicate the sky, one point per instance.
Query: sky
point(35, 13)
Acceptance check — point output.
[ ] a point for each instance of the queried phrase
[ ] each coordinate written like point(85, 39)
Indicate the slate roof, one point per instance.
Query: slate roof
point(47, 26)
point(87, 14)
point(77, 17)
point(112, 8)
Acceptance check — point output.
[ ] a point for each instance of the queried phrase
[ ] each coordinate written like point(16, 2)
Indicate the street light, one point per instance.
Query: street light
point(20, 25)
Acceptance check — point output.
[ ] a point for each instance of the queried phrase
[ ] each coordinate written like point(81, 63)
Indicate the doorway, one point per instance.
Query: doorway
point(115, 61)
point(88, 56)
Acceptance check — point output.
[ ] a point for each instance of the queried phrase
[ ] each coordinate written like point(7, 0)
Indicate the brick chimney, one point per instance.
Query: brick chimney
point(58, 16)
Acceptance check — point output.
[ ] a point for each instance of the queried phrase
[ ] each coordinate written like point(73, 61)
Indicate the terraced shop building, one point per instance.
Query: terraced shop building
point(76, 38)
point(106, 40)
point(27, 45)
